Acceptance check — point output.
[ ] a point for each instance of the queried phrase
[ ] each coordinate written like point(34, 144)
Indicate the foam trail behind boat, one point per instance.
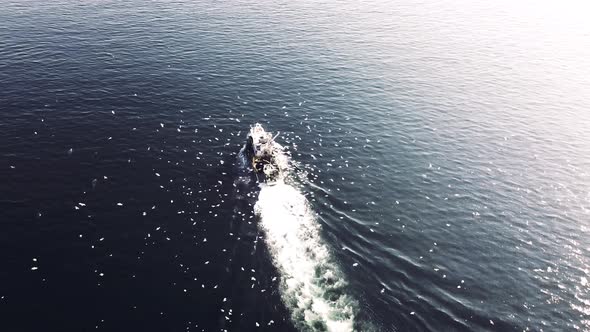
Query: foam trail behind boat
point(312, 286)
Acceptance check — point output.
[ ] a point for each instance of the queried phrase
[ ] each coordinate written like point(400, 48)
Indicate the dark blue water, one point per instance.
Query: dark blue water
point(440, 153)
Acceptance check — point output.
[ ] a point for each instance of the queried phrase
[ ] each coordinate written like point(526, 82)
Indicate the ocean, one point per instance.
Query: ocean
point(437, 155)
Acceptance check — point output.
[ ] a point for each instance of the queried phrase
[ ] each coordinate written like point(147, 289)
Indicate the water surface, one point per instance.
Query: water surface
point(442, 151)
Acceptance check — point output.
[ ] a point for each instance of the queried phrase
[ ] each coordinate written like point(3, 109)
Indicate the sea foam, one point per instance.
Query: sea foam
point(312, 286)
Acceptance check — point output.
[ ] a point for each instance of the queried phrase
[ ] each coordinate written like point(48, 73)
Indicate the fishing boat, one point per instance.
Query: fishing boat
point(262, 152)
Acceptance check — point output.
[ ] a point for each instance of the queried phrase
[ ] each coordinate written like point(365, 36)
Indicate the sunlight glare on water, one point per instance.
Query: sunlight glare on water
point(439, 160)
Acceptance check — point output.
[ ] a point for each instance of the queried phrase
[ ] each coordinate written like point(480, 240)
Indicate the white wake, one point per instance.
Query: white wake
point(312, 286)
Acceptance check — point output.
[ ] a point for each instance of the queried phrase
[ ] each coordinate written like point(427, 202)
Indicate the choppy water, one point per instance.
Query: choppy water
point(440, 153)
